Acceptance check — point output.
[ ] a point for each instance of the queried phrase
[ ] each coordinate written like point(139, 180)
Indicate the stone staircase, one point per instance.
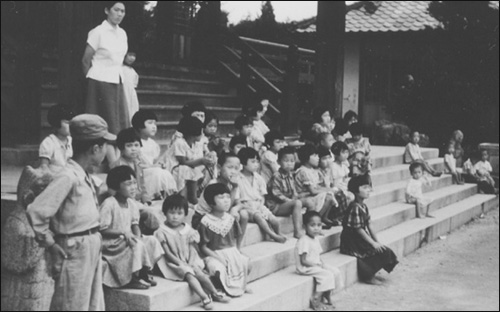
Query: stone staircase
point(272, 277)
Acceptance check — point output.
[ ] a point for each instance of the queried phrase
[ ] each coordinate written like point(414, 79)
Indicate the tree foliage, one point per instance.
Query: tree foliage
point(457, 84)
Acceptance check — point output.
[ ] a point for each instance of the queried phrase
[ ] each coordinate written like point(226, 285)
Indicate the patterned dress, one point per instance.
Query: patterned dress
point(370, 260)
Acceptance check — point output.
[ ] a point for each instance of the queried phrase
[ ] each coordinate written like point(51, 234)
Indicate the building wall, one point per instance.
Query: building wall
point(351, 77)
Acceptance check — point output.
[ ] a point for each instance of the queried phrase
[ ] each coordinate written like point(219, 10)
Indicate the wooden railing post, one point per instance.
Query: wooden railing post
point(290, 101)
point(243, 93)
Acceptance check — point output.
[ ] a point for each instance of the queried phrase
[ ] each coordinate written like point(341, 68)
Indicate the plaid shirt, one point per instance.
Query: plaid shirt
point(282, 187)
point(357, 216)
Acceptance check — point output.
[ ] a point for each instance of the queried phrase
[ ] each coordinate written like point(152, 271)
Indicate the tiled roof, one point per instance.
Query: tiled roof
point(388, 16)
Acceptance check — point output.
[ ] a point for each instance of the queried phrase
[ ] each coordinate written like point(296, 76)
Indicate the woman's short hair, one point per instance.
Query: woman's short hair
point(118, 175)
point(140, 117)
point(349, 115)
point(128, 135)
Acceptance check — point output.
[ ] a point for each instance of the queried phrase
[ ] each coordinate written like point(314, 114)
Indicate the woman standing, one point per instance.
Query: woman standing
point(102, 64)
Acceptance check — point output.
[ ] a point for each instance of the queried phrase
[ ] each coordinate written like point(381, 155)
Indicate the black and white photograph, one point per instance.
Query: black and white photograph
point(250, 156)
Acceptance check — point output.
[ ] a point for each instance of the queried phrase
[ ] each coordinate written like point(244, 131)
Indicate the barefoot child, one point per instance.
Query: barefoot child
point(219, 233)
point(253, 188)
point(282, 198)
point(358, 238)
point(182, 261)
point(483, 172)
point(308, 262)
point(128, 256)
point(414, 191)
point(130, 83)
point(307, 182)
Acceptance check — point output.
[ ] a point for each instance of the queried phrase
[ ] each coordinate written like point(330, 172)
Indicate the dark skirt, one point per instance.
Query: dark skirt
point(370, 261)
point(108, 101)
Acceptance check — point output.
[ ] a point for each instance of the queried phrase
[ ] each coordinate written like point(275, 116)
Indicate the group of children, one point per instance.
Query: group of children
point(258, 178)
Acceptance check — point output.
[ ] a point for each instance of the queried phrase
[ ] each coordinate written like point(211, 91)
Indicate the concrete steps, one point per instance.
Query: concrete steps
point(269, 258)
point(285, 290)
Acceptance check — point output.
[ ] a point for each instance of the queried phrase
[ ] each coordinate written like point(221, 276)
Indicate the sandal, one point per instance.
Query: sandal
point(136, 284)
point(207, 304)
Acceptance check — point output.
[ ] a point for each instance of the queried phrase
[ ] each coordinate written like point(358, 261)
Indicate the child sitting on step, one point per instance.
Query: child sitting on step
point(219, 234)
point(308, 262)
point(158, 180)
point(215, 142)
point(180, 244)
point(358, 238)
point(414, 190)
point(259, 129)
point(323, 122)
point(282, 198)
point(307, 182)
point(186, 160)
point(56, 148)
point(269, 160)
point(244, 127)
point(253, 188)
point(483, 172)
point(127, 254)
point(413, 154)
point(451, 165)
point(360, 144)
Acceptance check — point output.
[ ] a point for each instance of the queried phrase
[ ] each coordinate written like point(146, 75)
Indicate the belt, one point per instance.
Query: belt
point(82, 233)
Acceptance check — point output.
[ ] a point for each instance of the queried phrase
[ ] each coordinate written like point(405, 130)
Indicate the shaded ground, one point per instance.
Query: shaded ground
point(460, 272)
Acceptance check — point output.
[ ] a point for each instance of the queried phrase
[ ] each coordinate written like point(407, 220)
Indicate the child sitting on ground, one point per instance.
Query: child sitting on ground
point(128, 256)
point(269, 162)
point(414, 193)
point(358, 238)
point(308, 262)
point(451, 165)
point(158, 181)
point(185, 160)
point(219, 236)
point(56, 148)
point(282, 198)
point(413, 154)
point(229, 176)
point(253, 188)
point(130, 83)
point(182, 261)
point(307, 182)
point(244, 126)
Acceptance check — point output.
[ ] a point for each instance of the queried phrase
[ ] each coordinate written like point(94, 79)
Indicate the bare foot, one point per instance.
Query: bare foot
point(280, 239)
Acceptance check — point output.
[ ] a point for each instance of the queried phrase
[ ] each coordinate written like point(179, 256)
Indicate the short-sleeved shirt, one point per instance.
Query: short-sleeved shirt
point(68, 205)
point(306, 177)
point(180, 148)
point(56, 151)
point(311, 247)
point(114, 217)
point(362, 145)
point(219, 233)
point(252, 190)
point(150, 151)
point(340, 175)
point(483, 165)
point(412, 153)
point(357, 216)
point(259, 131)
point(110, 46)
point(268, 161)
point(282, 187)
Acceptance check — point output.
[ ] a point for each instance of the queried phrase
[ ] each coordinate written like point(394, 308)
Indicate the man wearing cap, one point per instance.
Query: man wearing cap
point(65, 218)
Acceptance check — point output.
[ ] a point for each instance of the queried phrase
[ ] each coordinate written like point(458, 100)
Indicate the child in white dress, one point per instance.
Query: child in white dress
point(414, 194)
point(130, 83)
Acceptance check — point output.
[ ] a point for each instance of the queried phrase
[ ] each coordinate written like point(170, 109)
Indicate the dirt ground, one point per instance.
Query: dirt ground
point(459, 272)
